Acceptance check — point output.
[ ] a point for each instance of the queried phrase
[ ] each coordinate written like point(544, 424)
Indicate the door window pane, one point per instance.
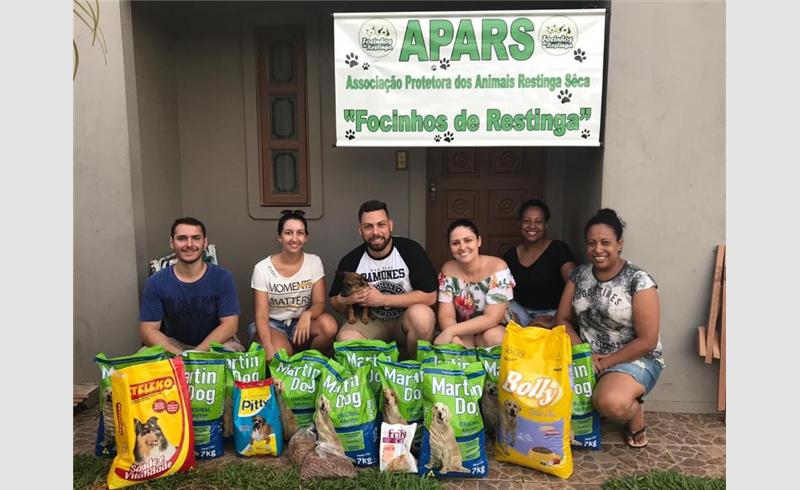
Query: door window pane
point(283, 117)
point(281, 62)
point(285, 170)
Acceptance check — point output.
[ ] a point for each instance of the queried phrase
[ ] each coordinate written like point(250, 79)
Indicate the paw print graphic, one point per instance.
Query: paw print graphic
point(351, 60)
point(444, 63)
point(433, 67)
point(585, 134)
point(448, 136)
point(437, 138)
point(564, 95)
point(579, 55)
point(365, 66)
point(349, 134)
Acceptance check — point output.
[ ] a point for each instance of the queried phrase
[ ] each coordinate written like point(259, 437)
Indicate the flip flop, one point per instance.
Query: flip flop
point(631, 437)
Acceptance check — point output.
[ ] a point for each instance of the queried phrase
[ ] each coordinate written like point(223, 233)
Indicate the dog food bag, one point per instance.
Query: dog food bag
point(256, 419)
point(395, 450)
point(106, 440)
point(489, 357)
point(535, 399)
point(154, 430)
point(463, 356)
point(453, 443)
point(354, 353)
point(585, 422)
point(401, 393)
point(205, 376)
point(241, 366)
point(296, 380)
point(346, 412)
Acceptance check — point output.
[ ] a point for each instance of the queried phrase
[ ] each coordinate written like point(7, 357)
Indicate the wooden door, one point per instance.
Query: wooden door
point(485, 185)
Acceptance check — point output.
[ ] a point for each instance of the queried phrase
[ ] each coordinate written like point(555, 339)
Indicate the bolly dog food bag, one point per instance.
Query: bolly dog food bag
point(585, 424)
point(354, 353)
point(346, 412)
point(461, 355)
point(535, 399)
point(296, 379)
point(154, 423)
point(489, 357)
point(205, 376)
point(106, 440)
point(401, 393)
point(453, 443)
point(241, 366)
point(256, 418)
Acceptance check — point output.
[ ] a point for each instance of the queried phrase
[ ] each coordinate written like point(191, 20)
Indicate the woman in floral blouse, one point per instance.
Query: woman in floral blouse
point(474, 291)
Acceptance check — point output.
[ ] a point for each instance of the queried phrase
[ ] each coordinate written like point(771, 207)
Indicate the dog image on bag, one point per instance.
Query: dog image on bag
point(391, 410)
point(489, 409)
point(444, 448)
point(322, 419)
point(352, 282)
point(261, 432)
point(288, 422)
point(108, 415)
point(508, 421)
point(151, 443)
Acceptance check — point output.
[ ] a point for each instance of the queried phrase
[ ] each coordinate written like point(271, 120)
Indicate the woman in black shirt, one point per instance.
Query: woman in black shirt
point(540, 266)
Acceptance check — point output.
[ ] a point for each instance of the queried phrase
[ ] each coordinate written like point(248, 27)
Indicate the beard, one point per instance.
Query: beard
point(379, 248)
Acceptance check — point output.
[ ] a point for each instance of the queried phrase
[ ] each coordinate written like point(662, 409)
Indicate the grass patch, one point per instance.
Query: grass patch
point(89, 472)
point(665, 480)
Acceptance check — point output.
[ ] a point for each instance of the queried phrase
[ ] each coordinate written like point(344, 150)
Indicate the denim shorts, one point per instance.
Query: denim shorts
point(279, 325)
point(523, 315)
point(645, 371)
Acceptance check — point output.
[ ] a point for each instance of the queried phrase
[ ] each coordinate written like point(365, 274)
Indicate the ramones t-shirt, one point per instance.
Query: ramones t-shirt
point(407, 268)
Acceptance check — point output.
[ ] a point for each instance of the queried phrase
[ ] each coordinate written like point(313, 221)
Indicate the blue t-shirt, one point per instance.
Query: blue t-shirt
point(190, 310)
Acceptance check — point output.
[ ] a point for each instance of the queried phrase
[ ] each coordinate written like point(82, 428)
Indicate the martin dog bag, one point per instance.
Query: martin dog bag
point(296, 379)
point(353, 354)
point(461, 355)
point(535, 399)
point(106, 440)
point(241, 366)
point(401, 394)
point(585, 425)
point(256, 418)
point(205, 376)
point(346, 412)
point(453, 443)
point(489, 357)
point(154, 423)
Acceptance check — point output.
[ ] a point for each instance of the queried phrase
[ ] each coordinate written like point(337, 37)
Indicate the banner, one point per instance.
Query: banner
point(510, 78)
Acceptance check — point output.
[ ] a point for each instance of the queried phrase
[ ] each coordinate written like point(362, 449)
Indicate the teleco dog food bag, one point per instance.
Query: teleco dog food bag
point(205, 376)
point(489, 357)
point(241, 366)
point(463, 356)
point(453, 443)
point(354, 353)
point(535, 399)
point(346, 410)
point(256, 418)
point(585, 419)
point(402, 394)
point(106, 440)
point(154, 423)
point(296, 379)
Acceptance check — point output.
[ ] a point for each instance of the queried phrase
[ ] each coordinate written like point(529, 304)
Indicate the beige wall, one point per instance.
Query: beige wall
point(664, 171)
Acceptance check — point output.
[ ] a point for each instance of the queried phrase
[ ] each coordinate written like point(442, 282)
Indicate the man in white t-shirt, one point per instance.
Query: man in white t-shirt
point(403, 284)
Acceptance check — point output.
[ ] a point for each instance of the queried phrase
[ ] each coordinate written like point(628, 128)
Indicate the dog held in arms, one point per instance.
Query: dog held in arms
point(352, 282)
point(151, 442)
point(444, 448)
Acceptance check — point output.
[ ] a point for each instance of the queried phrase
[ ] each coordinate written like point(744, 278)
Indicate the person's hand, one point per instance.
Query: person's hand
point(303, 330)
point(597, 363)
point(373, 298)
point(446, 337)
point(357, 297)
point(269, 351)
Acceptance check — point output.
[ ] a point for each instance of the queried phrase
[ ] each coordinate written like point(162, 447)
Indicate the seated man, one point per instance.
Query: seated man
point(197, 301)
point(403, 284)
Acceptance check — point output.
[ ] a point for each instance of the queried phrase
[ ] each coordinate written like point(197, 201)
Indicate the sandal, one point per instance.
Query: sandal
point(631, 437)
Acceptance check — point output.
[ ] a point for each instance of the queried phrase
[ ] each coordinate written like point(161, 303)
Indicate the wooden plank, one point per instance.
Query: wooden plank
point(721, 389)
point(713, 311)
point(701, 340)
point(87, 394)
point(84, 389)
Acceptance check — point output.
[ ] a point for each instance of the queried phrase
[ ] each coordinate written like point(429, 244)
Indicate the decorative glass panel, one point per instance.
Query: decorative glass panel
point(282, 113)
point(281, 62)
point(285, 172)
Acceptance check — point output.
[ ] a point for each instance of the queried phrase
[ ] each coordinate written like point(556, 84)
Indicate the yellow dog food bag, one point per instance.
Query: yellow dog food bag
point(154, 432)
point(535, 399)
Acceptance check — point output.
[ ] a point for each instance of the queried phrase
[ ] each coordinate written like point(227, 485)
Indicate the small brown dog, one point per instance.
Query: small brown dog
point(352, 282)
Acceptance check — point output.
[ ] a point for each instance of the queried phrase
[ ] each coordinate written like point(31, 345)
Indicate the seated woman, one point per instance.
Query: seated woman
point(289, 295)
point(474, 291)
point(615, 306)
point(540, 266)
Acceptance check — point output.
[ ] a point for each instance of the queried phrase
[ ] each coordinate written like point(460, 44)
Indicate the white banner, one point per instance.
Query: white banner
point(510, 78)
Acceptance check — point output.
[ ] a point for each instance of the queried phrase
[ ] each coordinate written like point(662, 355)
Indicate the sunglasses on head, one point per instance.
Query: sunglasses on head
point(298, 212)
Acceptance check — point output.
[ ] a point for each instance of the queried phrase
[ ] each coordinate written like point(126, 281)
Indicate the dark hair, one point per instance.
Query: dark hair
point(534, 203)
point(608, 217)
point(462, 222)
point(371, 206)
point(187, 221)
point(288, 214)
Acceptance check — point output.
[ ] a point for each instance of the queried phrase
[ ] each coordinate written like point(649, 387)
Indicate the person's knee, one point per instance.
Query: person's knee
point(345, 335)
point(421, 320)
point(328, 327)
point(611, 406)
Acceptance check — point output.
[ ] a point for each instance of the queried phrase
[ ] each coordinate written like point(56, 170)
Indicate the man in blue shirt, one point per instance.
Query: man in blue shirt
point(197, 301)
